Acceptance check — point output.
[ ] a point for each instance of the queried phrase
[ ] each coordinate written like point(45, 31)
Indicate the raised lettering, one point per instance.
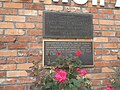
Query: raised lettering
point(117, 3)
point(80, 1)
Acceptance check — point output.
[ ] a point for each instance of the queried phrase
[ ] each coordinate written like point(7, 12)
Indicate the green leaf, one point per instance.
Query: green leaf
point(74, 88)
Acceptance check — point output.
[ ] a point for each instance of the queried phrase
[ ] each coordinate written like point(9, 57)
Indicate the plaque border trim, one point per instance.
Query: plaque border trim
point(74, 40)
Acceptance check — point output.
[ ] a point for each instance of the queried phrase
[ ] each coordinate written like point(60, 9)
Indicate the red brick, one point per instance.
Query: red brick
point(2, 74)
point(25, 25)
point(53, 7)
point(25, 80)
point(13, 60)
point(3, 60)
point(11, 81)
point(34, 32)
point(5, 0)
point(27, 1)
point(106, 11)
point(109, 57)
point(34, 19)
point(7, 39)
point(8, 52)
point(17, 46)
point(39, 25)
point(27, 12)
point(108, 33)
point(24, 66)
point(1, 32)
point(35, 6)
point(110, 45)
point(116, 11)
point(2, 46)
point(113, 40)
point(36, 46)
point(14, 88)
point(93, 10)
point(14, 32)
point(6, 25)
point(101, 27)
point(47, 2)
point(33, 53)
point(12, 5)
point(102, 52)
point(16, 73)
point(15, 18)
point(97, 45)
point(106, 69)
point(101, 39)
point(26, 39)
point(106, 22)
point(117, 17)
point(1, 18)
point(96, 82)
point(72, 9)
point(95, 21)
point(23, 52)
point(8, 11)
point(100, 76)
point(8, 67)
point(117, 22)
point(35, 59)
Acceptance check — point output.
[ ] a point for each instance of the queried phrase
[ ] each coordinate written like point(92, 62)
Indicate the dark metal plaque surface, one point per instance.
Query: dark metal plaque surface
point(67, 48)
point(67, 25)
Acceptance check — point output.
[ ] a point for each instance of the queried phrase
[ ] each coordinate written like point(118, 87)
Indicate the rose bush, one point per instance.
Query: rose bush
point(65, 73)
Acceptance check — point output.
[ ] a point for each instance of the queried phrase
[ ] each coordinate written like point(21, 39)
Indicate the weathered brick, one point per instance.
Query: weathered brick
point(117, 34)
point(12, 5)
point(25, 25)
point(14, 32)
point(105, 11)
point(106, 22)
point(101, 39)
point(34, 32)
point(53, 7)
point(2, 46)
point(36, 1)
point(106, 69)
point(25, 80)
point(35, 59)
point(110, 45)
point(97, 45)
point(14, 88)
point(7, 39)
point(1, 18)
point(6, 25)
point(2, 74)
point(26, 39)
point(35, 6)
point(23, 52)
point(2, 60)
point(17, 46)
point(39, 25)
point(34, 19)
point(95, 21)
point(117, 22)
point(8, 11)
point(1, 32)
point(8, 67)
point(109, 57)
point(27, 12)
point(13, 60)
point(116, 11)
point(15, 18)
point(8, 53)
point(10, 81)
point(108, 33)
point(33, 53)
point(16, 73)
point(73, 9)
point(100, 76)
point(36, 46)
point(102, 52)
point(22, 1)
point(24, 66)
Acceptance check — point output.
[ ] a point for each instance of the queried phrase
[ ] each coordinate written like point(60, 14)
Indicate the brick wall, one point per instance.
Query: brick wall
point(21, 39)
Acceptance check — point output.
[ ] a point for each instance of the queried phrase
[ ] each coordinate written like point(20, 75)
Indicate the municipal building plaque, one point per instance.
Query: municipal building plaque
point(67, 25)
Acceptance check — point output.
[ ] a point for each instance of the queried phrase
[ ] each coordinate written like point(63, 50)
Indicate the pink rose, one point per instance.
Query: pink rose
point(78, 53)
point(77, 69)
point(109, 87)
point(58, 53)
point(83, 72)
point(60, 76)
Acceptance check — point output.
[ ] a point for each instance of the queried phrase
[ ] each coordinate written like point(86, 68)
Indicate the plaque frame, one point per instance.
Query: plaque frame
point(73, 40)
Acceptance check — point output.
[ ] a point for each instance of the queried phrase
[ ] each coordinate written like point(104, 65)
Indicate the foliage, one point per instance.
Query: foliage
point(65, 73)
point(115, 82)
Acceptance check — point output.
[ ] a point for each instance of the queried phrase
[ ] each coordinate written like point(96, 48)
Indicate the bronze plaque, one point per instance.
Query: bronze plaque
point(67, 25)
point(67, 48)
